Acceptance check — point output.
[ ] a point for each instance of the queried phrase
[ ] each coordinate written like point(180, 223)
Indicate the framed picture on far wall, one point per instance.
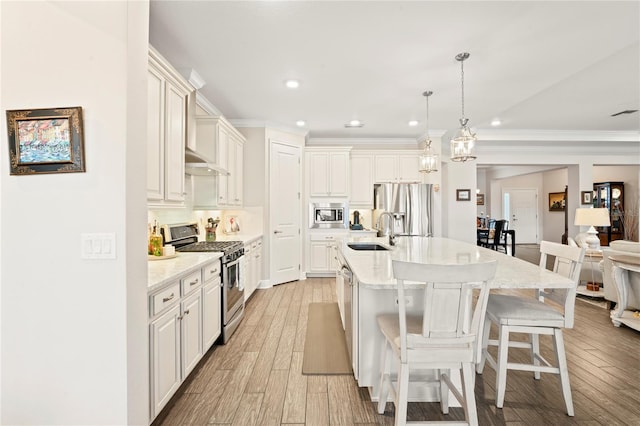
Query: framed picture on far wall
point(586, 197)
point(463, 195)
point(480, 199)
point(556, 201)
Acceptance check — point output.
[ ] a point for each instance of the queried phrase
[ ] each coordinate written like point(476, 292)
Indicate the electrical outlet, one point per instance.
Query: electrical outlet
point(408, 301)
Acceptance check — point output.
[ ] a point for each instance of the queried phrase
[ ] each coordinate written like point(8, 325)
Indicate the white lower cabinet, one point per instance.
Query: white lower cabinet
point(185, 320)
point(253, 267)
point(165, 359)
point(191, 324)
point(211, 315)
point(322, 259)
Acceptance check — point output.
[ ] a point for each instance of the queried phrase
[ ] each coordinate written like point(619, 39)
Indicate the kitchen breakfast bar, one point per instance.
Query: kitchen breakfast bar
point(366, 288)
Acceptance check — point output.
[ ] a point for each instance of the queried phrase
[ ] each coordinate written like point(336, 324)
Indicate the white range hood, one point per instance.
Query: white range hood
point(198, 165)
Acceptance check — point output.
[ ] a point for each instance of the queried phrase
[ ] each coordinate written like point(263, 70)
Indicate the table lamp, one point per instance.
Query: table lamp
point(592, 217)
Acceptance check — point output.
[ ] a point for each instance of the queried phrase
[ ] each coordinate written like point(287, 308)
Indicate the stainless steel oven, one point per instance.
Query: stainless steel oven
point(185, 238)
point(232, 292)
point(329, 215)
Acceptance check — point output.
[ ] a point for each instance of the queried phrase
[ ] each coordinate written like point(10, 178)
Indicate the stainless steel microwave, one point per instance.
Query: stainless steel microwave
point(329, 215)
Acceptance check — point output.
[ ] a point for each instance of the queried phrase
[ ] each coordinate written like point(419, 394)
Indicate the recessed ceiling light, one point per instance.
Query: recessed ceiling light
point(301, 123)
point(292, 84)
point(354, 123)
point(496, 122)
point(414, 123)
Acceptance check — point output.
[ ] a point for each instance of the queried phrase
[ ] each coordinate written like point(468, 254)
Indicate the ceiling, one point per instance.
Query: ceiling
point(552, 66)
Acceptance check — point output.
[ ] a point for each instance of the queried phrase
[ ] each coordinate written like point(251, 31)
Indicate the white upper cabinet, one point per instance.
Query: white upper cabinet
point(409, 168)
point(166, 133)
point(235, 154)
point(328, 172)
point(396, 167)
point(361, 181)
point(220, 142)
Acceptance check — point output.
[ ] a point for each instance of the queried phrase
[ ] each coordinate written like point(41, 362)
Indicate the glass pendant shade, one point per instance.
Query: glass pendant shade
point(428, 160)
point(462, 143)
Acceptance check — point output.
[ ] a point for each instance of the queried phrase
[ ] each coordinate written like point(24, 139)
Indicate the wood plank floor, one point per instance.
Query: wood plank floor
point(256, 379)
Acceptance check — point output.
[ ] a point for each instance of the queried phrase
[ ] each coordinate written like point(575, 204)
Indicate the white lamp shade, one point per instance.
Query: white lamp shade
point(592, 217)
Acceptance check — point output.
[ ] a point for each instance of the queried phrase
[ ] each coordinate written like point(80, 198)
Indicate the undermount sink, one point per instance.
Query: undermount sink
point(366, 246)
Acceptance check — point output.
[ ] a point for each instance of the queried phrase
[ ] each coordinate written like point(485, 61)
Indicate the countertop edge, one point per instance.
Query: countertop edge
point(164, 272)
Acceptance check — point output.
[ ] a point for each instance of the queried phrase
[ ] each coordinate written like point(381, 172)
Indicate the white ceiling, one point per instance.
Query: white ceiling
point(535, 65)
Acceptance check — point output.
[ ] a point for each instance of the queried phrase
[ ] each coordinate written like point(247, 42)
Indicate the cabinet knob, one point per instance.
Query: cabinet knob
point(186, 312)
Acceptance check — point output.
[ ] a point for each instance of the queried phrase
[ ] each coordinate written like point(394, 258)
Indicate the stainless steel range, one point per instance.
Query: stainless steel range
point(185, 238)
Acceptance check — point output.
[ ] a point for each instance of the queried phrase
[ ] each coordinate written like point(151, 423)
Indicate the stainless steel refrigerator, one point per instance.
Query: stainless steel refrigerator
point(411, 207)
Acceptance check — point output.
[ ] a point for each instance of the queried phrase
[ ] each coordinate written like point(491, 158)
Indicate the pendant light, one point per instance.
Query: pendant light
point(463, 142)
point(428, 160)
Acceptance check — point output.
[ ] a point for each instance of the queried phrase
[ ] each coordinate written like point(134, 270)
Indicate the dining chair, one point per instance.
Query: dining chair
point(497, 238)
point(486, 233)
point(443, 338)
point(534, 316)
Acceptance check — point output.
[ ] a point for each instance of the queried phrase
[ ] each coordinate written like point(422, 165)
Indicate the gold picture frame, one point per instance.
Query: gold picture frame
point(48, 140)
point(556, 202)
point(480, 199)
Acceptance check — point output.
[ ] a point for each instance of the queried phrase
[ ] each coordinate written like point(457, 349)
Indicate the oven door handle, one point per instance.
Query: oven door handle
point(234, 262)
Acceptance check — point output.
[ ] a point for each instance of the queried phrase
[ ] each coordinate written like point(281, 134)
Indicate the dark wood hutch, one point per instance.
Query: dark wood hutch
point(610, 195)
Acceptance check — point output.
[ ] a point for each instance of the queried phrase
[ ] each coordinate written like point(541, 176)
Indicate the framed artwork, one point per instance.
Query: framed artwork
point(556, 201)
point(45, 141)
point(463, 195)
point(480, 199)
point(586, 197)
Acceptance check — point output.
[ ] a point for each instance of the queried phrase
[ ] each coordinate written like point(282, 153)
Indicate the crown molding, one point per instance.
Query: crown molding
point(558, 135)
point(362, 141)
point(252, 123)
point(206, 105)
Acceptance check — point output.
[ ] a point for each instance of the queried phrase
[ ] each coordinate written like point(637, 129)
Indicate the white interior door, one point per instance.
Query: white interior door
point(284, 187)
point(523, 214)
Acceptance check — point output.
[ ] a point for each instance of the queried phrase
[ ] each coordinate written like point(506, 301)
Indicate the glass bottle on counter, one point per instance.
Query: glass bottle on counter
point(155, 242)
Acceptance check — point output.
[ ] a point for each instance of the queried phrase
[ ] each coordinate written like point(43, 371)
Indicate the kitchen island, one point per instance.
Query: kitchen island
point(373, 289)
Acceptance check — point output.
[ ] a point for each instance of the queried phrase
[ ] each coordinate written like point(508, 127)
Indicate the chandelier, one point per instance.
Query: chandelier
point(464, 140)
point(428, 160)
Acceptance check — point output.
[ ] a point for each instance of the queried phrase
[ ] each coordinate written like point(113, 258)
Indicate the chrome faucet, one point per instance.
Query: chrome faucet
point(392, 237)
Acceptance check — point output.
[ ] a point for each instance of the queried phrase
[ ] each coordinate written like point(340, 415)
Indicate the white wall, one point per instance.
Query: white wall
point(74, 332)
point(459, 217)
point(553, 222)
point(483, 187)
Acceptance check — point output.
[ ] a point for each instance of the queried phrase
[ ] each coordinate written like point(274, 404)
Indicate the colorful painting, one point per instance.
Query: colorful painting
point(46, 140)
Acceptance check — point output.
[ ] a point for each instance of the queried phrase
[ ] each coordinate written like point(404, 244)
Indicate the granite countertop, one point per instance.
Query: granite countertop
point(374, 268)
point(161, 272)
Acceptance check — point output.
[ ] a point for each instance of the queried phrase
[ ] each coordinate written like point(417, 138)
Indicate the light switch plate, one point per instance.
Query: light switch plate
point(98, 246)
